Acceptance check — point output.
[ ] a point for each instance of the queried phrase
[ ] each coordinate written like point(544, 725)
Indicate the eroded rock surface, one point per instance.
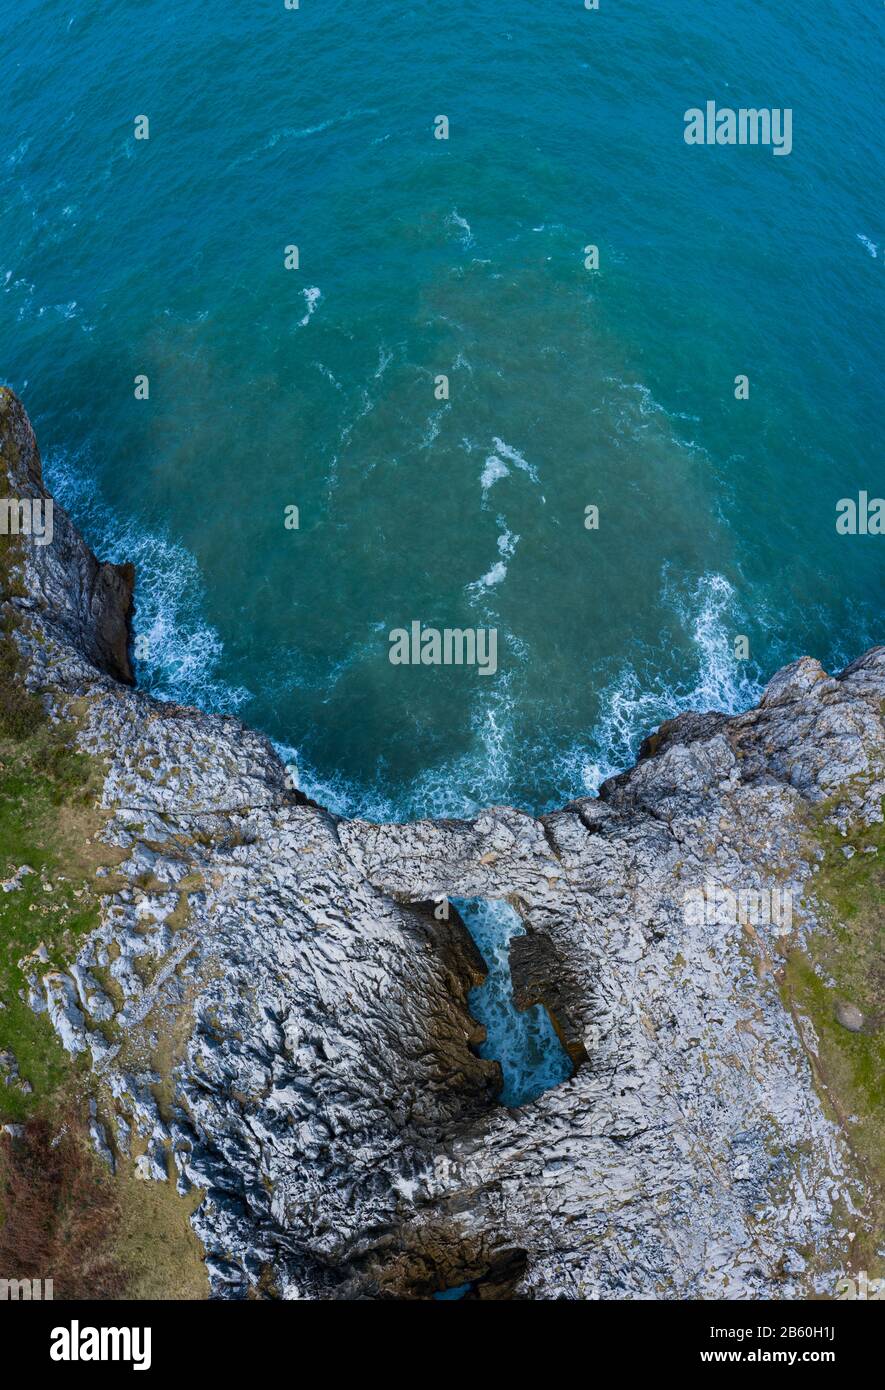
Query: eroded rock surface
point(278, 1018)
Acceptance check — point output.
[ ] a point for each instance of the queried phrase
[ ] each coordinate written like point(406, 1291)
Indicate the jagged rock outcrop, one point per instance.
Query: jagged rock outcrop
point(90, 602)
point(278, 1019)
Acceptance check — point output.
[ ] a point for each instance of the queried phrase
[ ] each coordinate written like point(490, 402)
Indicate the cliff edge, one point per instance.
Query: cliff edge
point(269, 1017)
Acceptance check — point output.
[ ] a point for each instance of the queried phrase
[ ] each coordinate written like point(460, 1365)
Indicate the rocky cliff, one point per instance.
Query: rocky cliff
point(268, 1013)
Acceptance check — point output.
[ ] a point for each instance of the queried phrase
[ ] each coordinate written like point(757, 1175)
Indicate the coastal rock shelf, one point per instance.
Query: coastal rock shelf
point(275, 1018)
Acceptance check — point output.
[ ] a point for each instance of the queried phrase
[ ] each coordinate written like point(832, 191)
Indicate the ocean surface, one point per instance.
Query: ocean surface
point(315, 387)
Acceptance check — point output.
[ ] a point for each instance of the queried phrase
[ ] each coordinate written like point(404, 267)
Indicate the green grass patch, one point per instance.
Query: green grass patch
point(845, 964)
point(47, 824)
point(101, 1236)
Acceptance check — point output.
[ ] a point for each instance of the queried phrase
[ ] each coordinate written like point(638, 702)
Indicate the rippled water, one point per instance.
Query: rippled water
point(524, 1041)
point(315, 387)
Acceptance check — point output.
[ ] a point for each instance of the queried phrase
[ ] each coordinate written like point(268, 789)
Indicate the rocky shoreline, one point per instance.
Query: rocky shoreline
point(275, 1020)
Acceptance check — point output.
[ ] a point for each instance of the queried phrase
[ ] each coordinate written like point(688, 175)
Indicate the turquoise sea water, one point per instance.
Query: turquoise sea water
point(525, 1043)
point(418, 257)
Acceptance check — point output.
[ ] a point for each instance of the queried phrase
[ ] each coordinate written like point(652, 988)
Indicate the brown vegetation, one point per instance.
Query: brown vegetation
point(60, 1211)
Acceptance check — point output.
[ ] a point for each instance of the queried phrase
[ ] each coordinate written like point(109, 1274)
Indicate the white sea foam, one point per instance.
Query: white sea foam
point(647, 403)
point(455, 219)
point(507, 543)
point(434, 425)
point(461, 786)
point(522, 1040)
point(324, 371)
point(494, 470)
point(870, 245)
point(17, 154)
point(506, 451)
point(183, 653)
point(496, 466)
point(495, 575)
point(287, 133)
point(634, 704)
point(312, 298)
point(337, 794)
point(67, 311)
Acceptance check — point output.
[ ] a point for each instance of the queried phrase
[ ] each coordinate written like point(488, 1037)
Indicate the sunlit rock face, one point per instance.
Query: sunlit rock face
point(278, 1010)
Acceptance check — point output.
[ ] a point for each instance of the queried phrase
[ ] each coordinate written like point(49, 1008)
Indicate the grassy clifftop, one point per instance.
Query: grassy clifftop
point(62, 1214)
point(838, 985)
point(48, 845)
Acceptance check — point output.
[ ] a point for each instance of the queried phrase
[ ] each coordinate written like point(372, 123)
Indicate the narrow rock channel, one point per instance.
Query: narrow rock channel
point(524, 1041)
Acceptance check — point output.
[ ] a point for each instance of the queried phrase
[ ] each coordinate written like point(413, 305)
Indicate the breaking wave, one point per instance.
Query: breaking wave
point(177, 654)
point(636, 702)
